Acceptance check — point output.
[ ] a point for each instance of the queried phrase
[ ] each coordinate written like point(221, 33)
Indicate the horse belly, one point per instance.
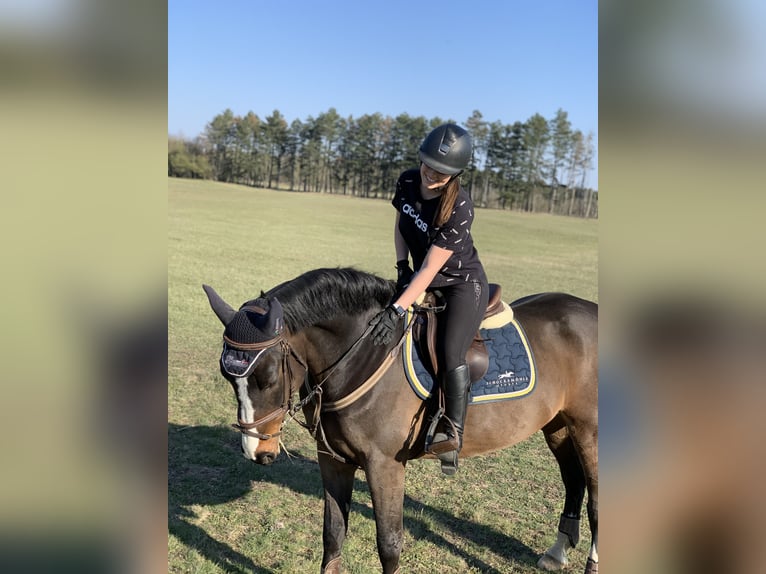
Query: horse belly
point(499, 425)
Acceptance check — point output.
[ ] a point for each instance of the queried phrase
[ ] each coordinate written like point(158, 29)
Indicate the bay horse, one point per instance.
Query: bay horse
point(308, 336)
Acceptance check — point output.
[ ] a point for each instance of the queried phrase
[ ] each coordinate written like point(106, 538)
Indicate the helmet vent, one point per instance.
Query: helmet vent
point(446, 149)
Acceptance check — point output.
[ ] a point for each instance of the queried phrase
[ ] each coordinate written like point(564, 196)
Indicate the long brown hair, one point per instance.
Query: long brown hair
point(447, 201)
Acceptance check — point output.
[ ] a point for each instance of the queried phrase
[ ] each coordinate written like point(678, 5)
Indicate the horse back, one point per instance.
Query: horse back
point(561, 314)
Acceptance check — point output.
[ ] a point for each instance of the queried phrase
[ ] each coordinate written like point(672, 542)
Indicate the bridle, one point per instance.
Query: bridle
point(313, 393)
point(286, 376)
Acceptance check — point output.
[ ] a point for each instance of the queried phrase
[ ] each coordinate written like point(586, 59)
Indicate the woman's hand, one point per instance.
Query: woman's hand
point(385, 324)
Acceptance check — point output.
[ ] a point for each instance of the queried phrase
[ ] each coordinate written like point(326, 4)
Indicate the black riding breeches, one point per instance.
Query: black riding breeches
point(458, 323)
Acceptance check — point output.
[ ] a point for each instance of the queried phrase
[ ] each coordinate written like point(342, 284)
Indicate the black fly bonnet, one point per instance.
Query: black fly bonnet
point(257, 326)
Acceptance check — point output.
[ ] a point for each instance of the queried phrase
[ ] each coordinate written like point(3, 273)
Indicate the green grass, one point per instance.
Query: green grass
point(227, 514)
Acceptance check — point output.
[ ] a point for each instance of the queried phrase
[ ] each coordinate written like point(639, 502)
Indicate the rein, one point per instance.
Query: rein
point(316, 428)
point(366, 386)
point(315, 393)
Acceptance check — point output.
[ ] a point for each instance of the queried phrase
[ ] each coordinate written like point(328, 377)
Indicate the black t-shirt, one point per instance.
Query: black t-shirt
point(416, 226)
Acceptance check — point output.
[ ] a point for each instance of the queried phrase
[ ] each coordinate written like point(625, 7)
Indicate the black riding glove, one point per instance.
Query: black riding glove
point(403, 274)
point(384, 325)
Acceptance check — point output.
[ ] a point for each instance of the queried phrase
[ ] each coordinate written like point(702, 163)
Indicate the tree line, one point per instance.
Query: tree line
point(536, 165)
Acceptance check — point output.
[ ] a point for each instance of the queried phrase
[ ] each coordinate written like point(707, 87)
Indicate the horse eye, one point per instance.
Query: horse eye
point(266, 376)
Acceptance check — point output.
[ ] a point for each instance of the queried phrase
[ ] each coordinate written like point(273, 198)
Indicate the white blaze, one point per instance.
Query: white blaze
point(247, 415)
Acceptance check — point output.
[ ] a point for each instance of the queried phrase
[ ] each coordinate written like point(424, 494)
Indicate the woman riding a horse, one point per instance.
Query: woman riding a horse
point(308, 336)
point(433, 224)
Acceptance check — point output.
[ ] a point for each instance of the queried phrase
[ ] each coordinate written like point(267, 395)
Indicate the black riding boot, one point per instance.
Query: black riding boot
point(447, 443)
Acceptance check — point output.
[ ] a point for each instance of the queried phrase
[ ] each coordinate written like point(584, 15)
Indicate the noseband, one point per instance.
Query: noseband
point(287, 376)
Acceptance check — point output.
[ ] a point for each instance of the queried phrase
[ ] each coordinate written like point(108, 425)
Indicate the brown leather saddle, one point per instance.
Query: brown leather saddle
point(424, 333)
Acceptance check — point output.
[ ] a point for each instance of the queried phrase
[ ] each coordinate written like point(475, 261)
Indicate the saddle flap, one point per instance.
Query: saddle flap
point(424, 333)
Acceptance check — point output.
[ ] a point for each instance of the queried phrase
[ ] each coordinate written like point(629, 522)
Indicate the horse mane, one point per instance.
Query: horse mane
point(323, 294)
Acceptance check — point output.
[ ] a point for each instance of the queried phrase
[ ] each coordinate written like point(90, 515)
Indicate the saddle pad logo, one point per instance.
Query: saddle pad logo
point(510, 374)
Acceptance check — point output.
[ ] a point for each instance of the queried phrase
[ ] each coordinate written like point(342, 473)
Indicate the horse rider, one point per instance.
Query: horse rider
point(433, 225)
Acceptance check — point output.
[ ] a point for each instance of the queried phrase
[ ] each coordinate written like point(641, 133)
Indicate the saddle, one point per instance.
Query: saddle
point(424, 332)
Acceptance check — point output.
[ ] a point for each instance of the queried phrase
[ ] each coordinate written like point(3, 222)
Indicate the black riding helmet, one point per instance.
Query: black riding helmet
point(447, 149)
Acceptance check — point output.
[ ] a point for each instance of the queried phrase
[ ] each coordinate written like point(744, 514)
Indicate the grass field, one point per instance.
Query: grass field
point(227, 514)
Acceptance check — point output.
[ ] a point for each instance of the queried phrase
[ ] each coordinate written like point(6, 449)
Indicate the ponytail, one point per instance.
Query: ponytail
point(447, 201)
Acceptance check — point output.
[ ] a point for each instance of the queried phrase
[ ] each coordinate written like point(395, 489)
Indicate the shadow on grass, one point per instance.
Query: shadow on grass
point(205, 468)
point(200, 473)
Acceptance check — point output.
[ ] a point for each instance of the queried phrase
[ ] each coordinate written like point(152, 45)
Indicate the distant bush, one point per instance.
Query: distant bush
point(186, 159)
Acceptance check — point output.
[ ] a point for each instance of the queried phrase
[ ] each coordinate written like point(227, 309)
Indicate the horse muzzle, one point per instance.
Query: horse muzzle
point(260, 445)
point(262, 452)
point(265, 458)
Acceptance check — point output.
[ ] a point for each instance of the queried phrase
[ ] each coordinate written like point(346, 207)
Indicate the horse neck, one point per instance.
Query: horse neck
point(330, 352)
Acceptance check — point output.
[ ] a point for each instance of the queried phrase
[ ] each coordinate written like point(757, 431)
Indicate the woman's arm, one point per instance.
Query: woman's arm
point(434, 261)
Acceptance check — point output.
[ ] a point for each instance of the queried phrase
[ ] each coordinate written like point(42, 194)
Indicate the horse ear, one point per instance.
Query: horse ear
point(220, 307)
point(275, 318)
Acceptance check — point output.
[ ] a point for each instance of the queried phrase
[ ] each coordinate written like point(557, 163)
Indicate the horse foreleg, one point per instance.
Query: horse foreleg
point(386, 480)
point(338, 483)
point(563, 448)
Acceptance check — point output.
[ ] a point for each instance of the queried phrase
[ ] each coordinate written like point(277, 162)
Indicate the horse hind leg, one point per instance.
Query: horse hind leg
point(586, 442)
point(563, 448)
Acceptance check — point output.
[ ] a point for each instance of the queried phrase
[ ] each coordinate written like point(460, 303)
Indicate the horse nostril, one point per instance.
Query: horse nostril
point(266, 458)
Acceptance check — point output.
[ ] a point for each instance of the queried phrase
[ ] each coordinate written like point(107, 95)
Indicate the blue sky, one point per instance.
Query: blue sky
point(507, 59)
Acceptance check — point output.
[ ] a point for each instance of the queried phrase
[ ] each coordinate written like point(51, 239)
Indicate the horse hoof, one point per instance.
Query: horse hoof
point(549, 563)
point(591, 567)
point(332, 567)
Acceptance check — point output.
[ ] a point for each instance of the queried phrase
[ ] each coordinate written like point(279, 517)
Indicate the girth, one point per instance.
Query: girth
point(424, 334)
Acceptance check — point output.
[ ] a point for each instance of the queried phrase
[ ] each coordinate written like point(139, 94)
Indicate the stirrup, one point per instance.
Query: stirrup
point(432, 428)
point(446, 448)
point(449, 462)
point(445, 442)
